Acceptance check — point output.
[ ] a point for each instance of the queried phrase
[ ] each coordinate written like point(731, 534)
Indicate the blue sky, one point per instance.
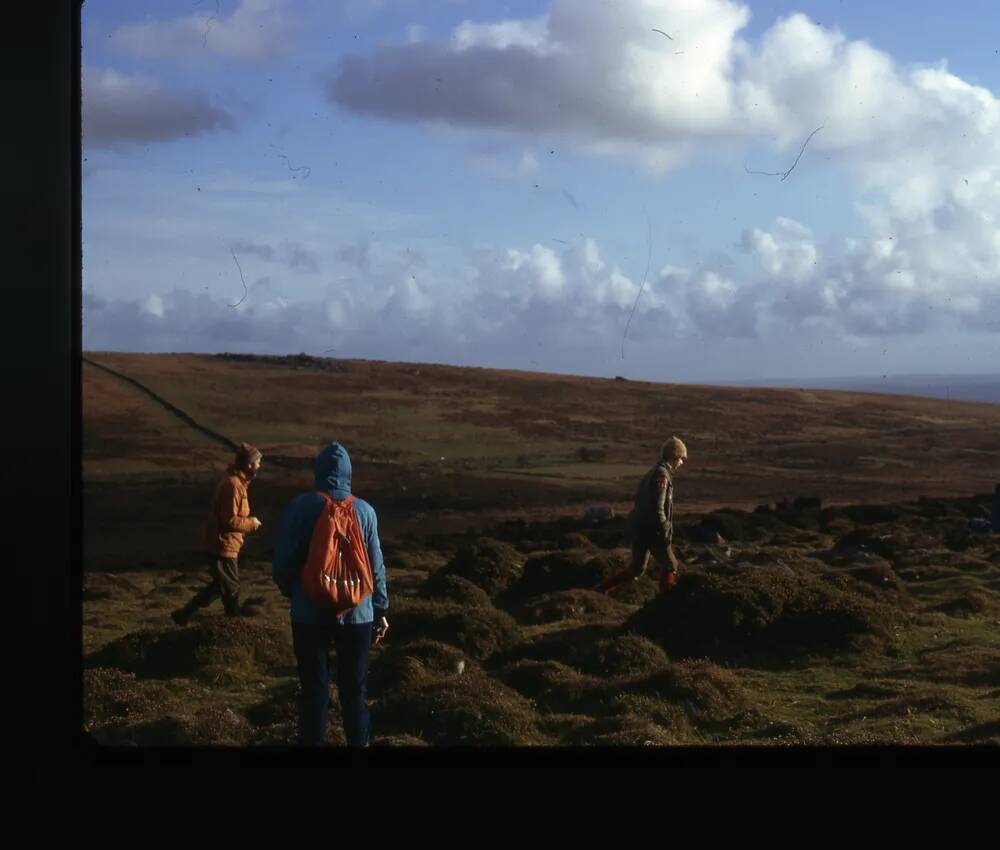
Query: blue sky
point(484, 183)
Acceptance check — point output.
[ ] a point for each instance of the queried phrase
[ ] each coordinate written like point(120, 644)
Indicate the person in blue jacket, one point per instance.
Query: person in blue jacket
point(316, 631)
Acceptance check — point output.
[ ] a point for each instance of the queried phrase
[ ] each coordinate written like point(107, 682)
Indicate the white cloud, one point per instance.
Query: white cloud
point(263, 250)
point(132, 108)
point(532, 35)
point(255, 31)
point(921, 145)
point(519, 167)
point(300, 258)
point(566, 309)
point(590, 69)
point(152, 306)
point(789, 253)
point(575, 299)
point(356, 253)
point(415, 33)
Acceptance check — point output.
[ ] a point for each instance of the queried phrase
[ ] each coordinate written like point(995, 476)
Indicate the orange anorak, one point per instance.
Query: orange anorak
point(229, 518)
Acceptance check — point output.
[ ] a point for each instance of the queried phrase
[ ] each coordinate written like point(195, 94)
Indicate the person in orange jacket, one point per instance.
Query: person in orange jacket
point(228, 523)
point(651, 522)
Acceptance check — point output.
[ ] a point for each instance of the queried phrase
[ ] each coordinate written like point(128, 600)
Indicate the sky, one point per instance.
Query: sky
point(668, 190)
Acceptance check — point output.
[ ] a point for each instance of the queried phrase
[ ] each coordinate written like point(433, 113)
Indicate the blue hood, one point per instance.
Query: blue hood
point(333, 471)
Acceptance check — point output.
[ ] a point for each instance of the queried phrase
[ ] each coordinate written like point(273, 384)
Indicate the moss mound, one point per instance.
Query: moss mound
point(882, 577)
point(710, 695)
point(553, 686)
point(468, 710)
point(276, 716)
point(212, 649)
point(595, 649)
point(621, 655)
point(728, 615)
point(576, 569)
point(969, 604)
point(561, 570)
point(410, 664)
point(973, 666)
point(490, 564)
point(638, 592)
point(453, 588)
point(211, 726)
point(732, 525)
point(109, 694)
point(556, 645)
point(480, 632)
point(628, 729)
point(884, 545)
point(571, 605)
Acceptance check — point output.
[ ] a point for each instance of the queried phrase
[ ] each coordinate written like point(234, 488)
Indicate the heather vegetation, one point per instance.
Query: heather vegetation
point(794, 620)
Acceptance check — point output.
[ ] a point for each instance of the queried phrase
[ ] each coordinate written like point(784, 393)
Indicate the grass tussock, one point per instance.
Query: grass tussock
point(472, 710)
point(969, 604)
point(489, 564)
point(480, 632)
point(730, 615)
point(230, 647)
point(447, 587)
point(412, 664)
point(710, 695)
point(554, 686)
point(572, 605)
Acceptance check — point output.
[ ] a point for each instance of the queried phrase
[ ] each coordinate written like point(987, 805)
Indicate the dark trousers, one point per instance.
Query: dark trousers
point(351, 642)
point(662, 552)
point(225, 583)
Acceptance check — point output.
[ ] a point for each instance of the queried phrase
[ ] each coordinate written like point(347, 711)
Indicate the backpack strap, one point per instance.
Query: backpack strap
point(330, 500)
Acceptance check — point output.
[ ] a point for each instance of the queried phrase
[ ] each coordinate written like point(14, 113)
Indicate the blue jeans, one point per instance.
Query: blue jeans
point(312, 644)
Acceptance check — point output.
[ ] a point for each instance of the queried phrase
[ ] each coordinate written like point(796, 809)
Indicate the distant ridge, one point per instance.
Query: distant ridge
point(982, 388)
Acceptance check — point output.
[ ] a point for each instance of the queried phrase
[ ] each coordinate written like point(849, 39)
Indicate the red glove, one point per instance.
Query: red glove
point(668, 580)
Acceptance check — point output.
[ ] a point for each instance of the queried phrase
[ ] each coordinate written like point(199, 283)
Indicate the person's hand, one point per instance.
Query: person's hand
point(379, 632)
point(256, 523)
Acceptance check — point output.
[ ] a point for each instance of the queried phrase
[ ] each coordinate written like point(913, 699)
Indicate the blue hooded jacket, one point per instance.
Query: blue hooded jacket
point(291, 546)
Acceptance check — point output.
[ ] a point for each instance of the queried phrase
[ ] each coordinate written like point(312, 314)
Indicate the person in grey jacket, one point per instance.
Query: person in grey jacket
point(316, 631)
point(651, 521)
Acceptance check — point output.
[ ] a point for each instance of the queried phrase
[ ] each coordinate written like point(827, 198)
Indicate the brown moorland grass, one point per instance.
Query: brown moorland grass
point(871, 618)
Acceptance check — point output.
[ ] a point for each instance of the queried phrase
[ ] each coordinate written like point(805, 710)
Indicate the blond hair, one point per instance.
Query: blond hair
point(673, 448)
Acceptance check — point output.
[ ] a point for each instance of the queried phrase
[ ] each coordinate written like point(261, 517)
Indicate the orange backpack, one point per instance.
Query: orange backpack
point(337, 573)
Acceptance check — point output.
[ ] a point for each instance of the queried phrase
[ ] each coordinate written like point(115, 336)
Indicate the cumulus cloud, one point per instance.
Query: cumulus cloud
point(255, 31)
point(588, 68)
point(416, 33)
point(921, 145)
point(597, 71)
point(300, 258)
point(356, 254)
point(874, 286)
point(291, 254)
point(263, 250)
point(131, 108)
point(537, 302)
point(571, 300)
